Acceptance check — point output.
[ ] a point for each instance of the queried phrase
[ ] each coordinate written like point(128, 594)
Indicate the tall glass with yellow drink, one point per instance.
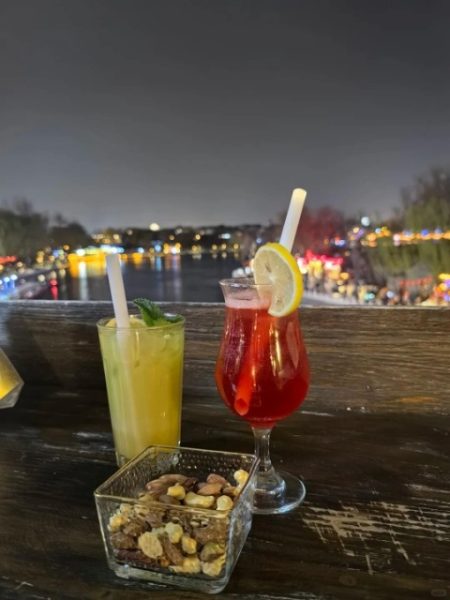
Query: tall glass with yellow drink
point(144, 374)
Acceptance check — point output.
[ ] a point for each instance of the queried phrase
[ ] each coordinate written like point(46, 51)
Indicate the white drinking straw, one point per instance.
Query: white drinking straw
point(117, 290)
point(293, 218)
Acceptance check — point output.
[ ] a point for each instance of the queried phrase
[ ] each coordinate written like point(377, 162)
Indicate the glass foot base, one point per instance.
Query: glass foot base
point(285, 498)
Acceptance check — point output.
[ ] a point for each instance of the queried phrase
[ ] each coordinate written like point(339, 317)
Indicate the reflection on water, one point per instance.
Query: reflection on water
point(171, 278)
point(82, 277)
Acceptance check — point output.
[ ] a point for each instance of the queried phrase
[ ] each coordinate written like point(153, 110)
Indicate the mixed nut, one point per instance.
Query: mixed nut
point(155, 532)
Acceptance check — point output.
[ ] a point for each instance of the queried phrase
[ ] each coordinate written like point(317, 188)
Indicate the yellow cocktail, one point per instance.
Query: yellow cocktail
point(144, 375)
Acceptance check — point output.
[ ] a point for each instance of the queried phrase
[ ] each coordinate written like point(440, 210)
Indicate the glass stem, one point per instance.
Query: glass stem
point(262, 449)
point(268, 482)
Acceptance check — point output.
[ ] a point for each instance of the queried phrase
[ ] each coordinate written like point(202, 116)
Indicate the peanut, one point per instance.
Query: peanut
point(211, 550)
point(177, 491)
point(117, 521)
point(230, 490)
point(241, 477)
point(191, 564)
point(188, 544)
point(224, 503)
point(197, 501)
point(214, 567)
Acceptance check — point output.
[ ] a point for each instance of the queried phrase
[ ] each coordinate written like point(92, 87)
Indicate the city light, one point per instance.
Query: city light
point(326, 266)
point(404, 237)
point(7, 259)
point(108, 249)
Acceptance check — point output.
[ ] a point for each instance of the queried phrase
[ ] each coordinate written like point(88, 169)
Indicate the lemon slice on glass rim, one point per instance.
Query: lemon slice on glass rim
point(274, 264)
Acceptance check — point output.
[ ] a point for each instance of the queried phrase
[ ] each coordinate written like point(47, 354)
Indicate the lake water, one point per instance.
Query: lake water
point(169, 278)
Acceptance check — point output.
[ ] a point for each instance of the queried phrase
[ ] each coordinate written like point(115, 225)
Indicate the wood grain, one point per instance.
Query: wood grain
point(375, 526)
point(362, 359)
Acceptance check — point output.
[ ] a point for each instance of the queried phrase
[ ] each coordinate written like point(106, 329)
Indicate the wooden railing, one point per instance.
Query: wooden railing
point(366, 359)
point(371, 443)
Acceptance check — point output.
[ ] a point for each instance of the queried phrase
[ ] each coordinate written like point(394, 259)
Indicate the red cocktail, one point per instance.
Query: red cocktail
point(262, 375)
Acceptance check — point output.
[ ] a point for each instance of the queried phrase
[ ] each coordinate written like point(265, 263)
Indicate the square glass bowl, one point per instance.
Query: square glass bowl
point(219, 534)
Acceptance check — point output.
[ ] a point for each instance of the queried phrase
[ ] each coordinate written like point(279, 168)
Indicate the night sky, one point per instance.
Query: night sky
point(208, 111)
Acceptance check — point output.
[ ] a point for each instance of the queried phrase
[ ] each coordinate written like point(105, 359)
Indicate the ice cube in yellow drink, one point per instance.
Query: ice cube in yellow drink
point(143, 370)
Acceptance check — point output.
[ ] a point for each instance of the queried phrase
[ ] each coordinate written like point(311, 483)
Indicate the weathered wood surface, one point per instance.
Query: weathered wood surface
point(362, 359)
point(375, 526)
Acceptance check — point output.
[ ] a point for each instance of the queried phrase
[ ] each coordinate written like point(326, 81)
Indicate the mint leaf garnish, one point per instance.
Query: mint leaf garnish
point(173, 318)
point(152, 315)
